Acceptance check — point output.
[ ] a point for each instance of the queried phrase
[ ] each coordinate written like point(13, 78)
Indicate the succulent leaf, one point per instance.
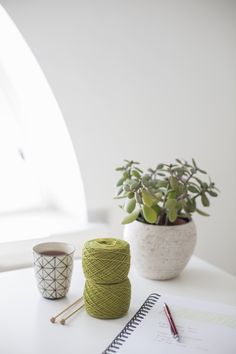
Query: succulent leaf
point(201, 212)
point(149, 214)
point(135, 174)
point(120, 182)
point(130, 205)
point(205, 200)
point(193, 189)
point(131, 217)
point(172, 215)
point(171, 203)
point(147, 198)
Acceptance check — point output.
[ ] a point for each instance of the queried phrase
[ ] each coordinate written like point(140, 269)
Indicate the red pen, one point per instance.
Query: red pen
point(171, 322)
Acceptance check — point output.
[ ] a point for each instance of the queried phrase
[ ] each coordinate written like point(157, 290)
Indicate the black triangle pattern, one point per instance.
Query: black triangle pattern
point(53, 274)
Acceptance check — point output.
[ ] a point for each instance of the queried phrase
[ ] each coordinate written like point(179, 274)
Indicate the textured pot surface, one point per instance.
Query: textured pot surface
point(160, 252)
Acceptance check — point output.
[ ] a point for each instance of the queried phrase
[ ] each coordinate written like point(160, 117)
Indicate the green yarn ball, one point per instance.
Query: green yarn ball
point(106, 260)
point(108, 300)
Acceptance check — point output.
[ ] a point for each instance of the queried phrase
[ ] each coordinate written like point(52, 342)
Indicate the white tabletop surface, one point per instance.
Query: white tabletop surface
point(25, 327)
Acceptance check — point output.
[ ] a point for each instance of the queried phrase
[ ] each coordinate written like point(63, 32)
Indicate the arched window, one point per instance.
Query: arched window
point(41, 190)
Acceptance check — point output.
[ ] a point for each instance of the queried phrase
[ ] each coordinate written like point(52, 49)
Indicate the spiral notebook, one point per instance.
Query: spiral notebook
point(203, 328)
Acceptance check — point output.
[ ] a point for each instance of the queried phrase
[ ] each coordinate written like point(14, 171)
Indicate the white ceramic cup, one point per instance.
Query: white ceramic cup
point(53, 265)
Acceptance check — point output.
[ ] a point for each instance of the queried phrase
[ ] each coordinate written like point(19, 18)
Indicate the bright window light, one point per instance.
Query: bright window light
point(39, 170)
point(19, 188)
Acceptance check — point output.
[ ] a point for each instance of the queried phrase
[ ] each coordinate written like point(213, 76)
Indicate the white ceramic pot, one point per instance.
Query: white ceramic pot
point(160, 252)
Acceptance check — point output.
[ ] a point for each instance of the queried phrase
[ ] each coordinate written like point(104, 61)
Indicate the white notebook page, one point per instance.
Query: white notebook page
point(203, 328)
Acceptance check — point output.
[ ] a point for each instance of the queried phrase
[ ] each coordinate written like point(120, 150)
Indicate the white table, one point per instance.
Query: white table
point(25, 327)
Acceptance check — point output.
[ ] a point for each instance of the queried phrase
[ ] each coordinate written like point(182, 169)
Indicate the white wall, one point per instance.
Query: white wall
point(148, 80)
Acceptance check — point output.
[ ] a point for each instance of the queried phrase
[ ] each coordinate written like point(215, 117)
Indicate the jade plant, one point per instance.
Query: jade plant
point(165, 195)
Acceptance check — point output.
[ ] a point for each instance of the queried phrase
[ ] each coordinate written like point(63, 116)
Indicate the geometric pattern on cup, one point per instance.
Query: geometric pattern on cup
point(53, 274)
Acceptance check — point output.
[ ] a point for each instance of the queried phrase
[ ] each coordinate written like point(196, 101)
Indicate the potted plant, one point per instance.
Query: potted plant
point(159, 205)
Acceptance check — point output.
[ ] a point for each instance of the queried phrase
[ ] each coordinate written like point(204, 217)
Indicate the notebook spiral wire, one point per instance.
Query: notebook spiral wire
point(132, 324)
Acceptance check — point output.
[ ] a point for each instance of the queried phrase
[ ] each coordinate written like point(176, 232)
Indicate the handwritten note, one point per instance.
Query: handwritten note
point(203, 328)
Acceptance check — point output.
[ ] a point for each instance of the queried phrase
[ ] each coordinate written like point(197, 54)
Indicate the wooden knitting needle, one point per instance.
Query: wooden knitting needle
point(53, 319)
point(63, 320)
